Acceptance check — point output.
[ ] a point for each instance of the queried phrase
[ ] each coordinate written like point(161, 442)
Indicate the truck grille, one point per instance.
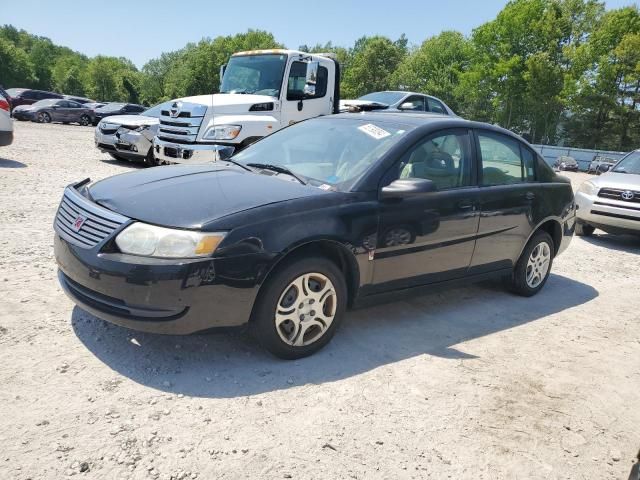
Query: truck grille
point(617, 194)
point(84, 223)
point(180, 124)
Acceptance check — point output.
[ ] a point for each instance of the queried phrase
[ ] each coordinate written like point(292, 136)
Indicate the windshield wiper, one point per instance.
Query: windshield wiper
point(277, 168)
point(241, 165)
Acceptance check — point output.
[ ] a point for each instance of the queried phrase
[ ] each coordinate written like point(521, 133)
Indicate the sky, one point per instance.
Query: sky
point(142, 29)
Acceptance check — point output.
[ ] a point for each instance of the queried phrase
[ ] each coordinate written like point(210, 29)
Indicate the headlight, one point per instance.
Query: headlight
point(222, 132)
point(141, 128)
point(588, 188)
point(151, 241)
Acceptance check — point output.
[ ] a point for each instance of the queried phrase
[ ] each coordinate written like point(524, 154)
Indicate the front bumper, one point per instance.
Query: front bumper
point(188, 153)
point(23, 115)
point(609, 215)
point(175, 297)
point(125, 143)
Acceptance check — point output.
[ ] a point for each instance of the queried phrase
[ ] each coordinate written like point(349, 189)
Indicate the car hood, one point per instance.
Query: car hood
point(132, 120)
point(190, 196)
point(623, 181)
point(228, 102)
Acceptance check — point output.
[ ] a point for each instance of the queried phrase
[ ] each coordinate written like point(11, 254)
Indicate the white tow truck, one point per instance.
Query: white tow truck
point(261, 92)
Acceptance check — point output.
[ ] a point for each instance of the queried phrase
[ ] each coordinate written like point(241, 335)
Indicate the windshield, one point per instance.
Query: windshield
point(629, 164)
point(331, 153)
point(387, 98)
point(112, 107)
point(46, 103)
point(259, 74)
point(155, 111)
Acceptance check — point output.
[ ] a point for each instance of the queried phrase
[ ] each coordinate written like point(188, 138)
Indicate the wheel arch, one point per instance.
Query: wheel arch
point(551, 225)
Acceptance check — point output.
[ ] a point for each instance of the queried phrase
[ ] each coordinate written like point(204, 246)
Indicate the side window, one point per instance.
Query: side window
point(443, 158)
point(30, 95)
point(63, 104)
point(297, 78)
point(529, 161)
point(435, 106)
point(413, 103)
point(501, 160)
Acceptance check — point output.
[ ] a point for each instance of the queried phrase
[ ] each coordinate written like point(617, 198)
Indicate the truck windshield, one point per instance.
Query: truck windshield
point(257, 74)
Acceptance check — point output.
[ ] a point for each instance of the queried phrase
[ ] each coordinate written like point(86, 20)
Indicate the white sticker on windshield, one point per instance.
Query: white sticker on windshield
point(373, 131)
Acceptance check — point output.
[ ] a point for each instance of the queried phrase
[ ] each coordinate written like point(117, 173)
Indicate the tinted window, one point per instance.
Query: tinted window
point(31, 95)
point(74, 104)
point(445, 159)
point(435, 106)
point(501, 162)
point(63, 104)
point(416, 103)
point(298, 77)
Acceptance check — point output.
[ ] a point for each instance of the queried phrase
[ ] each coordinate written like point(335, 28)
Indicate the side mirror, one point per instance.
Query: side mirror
point(407, 187)
point(311, 79)
point(407, 106)
point(604, 167)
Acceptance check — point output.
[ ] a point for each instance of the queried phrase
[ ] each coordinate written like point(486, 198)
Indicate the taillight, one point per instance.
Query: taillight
point(4, 105)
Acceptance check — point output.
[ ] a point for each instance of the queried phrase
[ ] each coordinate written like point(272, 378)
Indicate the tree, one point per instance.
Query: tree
point(15, 67)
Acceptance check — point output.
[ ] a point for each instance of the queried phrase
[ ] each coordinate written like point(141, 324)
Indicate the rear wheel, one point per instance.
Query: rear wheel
point(584, 230)
point(533, 267)
point(300, 308)
point(44, 117)
point(85, 120)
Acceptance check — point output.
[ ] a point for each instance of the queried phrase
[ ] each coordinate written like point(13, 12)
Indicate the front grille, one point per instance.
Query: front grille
point(616, 194)
point(84, 223)
point(184, 127)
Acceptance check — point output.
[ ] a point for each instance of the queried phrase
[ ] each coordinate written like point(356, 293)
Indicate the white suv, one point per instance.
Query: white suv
point(6, 123)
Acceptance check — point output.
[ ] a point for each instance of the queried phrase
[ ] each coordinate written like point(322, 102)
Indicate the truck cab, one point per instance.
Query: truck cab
point(261, 92)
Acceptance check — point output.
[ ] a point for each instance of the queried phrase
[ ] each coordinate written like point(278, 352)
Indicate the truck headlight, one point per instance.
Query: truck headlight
point(222, 132)
point(588, 188)
point(151, 241)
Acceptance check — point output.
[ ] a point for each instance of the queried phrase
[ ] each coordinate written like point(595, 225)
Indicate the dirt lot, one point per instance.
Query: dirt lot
point(470, 383)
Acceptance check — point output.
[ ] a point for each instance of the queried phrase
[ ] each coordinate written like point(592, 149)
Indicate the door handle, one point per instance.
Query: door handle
point(529, 195)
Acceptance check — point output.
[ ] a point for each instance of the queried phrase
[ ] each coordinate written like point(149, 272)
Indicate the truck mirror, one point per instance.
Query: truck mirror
point(311, 79)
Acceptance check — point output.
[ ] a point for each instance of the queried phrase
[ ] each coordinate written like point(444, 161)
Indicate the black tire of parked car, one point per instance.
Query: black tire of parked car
point(584, 230)
point(262, 322)
point(150, 160)
point(85, 120)
point(517, 283)
point(44, 117)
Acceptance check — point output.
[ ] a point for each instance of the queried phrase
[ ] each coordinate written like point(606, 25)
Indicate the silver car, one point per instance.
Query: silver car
point(129, 137)
point(611, 202)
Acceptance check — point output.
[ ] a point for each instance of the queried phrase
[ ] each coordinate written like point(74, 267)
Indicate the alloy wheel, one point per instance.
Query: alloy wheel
point(84, 120)
point(305, 309)
point(538, 264)
point(44, 117)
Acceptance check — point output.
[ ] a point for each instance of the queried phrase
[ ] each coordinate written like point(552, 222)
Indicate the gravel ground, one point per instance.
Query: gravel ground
point(469, 383)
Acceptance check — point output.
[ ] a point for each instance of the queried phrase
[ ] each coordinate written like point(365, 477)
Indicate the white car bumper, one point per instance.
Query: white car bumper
point(129, 144)
point(607, 213)
point(189, 153)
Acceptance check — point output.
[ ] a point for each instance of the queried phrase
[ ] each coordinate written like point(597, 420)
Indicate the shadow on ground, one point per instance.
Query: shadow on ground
point(231, 365)
point(123, 163)
point(5, 163)
point(622, 243)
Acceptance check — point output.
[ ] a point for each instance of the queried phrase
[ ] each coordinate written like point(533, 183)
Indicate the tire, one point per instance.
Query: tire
point(150, 160)
point(85, 120)
point(584, 230)
point(533, 267)
point(277, 318)
point(44, 117)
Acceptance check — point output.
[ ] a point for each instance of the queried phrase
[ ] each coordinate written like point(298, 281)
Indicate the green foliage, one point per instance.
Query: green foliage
point(553, 70)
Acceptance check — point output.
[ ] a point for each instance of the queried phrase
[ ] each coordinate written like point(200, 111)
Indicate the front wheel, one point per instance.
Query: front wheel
point(44, 117)
point(533, 267)
point(300, 308)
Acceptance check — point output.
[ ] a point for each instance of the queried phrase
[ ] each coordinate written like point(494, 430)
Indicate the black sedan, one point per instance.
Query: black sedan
point(53, 110)
point(319, 217)
point(116, 108)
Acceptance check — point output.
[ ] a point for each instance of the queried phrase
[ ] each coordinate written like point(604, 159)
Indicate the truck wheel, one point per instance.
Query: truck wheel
point(300, 307)
point(584, 230)
point(533, 267)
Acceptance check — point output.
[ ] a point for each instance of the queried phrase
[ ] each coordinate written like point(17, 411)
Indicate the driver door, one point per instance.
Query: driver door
point(430, 237)
point(295, 105)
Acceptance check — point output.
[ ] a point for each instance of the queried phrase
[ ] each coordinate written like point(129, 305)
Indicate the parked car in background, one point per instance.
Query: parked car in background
point(81, 100)
point(185, 248)
point(27, 96)
point(130, 137)
point(54, 110)
point(6, 123)
point(566, 163)
point(397, 101)
point(601, 164)
point(116, 108)
point(611, 202)
point(93, 106)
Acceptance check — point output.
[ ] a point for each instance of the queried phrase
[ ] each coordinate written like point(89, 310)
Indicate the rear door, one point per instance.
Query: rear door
point(508, 192)
point(431, 237)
